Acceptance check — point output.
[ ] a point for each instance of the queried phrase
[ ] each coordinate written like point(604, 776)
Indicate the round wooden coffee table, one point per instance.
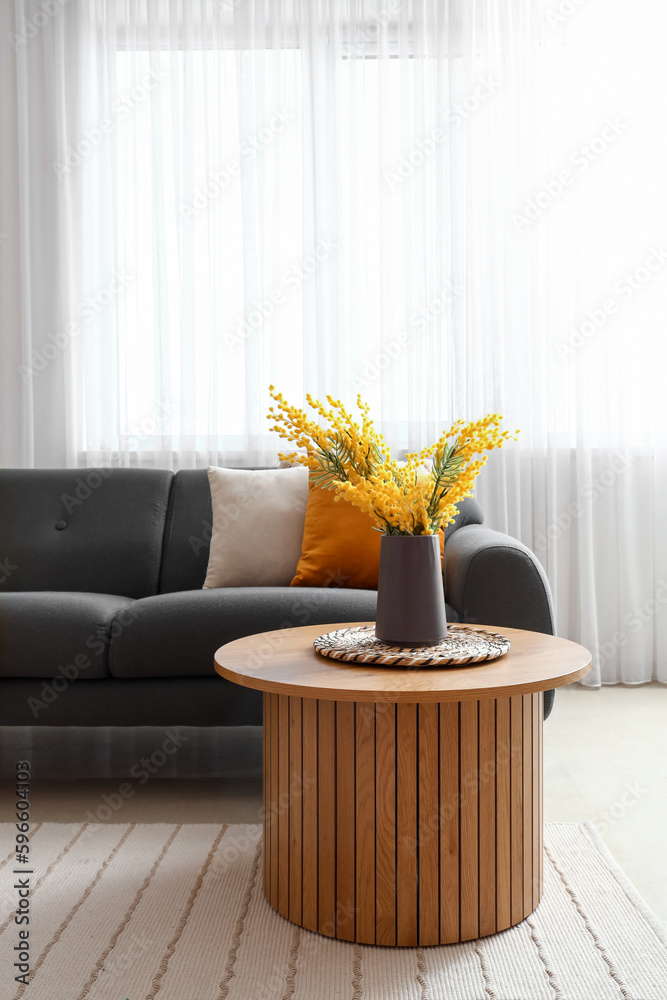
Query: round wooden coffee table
point(402, 806)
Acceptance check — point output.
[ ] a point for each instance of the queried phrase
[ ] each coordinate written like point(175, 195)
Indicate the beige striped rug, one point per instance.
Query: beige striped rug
point(131, 912)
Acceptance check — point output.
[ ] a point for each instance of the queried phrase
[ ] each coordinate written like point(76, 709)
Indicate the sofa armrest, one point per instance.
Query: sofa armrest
point(493, 579)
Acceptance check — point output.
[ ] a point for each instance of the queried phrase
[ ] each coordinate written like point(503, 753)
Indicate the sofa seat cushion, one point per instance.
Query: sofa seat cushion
point(58, 633)
point(176, 635)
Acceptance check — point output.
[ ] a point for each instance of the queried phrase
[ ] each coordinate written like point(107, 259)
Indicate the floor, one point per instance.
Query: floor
point(605, 760)
point(605, 755)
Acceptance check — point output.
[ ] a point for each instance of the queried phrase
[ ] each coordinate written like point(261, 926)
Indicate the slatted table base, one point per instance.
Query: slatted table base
point(403, 824)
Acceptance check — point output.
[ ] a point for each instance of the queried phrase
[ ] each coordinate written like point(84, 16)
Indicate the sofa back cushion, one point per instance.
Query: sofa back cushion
point(187, 535)
point(98, 531)
point(189, 526)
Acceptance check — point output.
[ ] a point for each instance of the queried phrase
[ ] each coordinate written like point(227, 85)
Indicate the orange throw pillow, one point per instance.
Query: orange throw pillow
point(341, 547)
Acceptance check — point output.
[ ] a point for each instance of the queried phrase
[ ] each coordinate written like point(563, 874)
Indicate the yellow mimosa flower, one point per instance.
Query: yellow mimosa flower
point(354, 460)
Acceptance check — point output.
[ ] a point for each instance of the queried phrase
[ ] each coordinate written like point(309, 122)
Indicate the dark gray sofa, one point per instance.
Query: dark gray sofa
point(103, 620)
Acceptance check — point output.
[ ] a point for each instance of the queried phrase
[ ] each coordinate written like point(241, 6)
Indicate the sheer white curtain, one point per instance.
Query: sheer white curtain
point(449, 207)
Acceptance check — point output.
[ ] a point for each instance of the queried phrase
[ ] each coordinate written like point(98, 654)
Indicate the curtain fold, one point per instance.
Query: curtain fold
point(447, 207)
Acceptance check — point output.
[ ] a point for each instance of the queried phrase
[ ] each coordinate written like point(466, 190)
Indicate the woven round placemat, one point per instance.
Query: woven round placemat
point(462, 645)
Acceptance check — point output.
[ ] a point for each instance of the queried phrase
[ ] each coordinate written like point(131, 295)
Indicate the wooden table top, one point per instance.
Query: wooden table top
point(285, 662)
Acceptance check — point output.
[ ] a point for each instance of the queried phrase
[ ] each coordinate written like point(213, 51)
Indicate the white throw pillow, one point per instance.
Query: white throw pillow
point(258, 519)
